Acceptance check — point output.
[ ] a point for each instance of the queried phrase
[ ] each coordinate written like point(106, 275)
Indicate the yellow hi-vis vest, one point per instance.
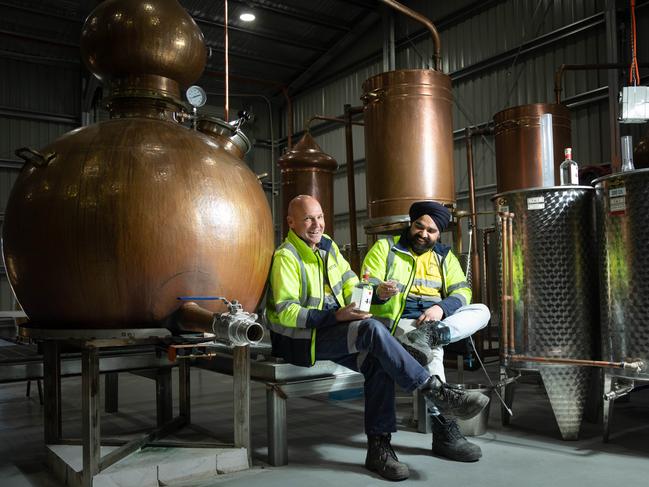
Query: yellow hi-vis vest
point(388, 259)
point(296, 286)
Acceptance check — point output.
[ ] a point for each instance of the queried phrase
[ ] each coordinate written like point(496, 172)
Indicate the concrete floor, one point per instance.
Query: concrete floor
point(327, 444)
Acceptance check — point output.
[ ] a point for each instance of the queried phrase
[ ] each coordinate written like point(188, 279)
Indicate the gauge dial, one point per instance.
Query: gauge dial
point(196, 96)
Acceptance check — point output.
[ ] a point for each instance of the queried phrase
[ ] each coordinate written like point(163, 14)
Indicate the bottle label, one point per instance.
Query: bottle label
point(574, 174)
point(362, 296)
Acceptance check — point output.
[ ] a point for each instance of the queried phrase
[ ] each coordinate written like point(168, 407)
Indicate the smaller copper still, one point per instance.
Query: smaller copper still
point(306, 169)
point(518, 144)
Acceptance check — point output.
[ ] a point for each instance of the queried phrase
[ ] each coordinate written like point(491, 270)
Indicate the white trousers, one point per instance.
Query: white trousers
point(462, 324)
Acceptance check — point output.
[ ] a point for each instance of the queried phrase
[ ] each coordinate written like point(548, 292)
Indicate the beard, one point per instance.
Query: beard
point(418, 247)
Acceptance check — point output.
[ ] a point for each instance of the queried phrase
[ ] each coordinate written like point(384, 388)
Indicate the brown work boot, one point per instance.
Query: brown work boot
point(382, 459)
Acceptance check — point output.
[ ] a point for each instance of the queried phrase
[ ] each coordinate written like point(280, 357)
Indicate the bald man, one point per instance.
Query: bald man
point(311, 318)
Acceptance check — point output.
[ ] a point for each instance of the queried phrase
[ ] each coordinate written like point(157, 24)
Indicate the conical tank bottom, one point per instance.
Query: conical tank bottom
point(567, 388)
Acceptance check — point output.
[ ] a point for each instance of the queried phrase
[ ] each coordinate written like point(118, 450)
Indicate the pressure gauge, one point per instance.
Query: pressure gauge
point(196, 96)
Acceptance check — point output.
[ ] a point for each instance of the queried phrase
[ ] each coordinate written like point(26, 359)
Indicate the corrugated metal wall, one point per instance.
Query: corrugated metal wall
point(38, 102)
point(504, 55)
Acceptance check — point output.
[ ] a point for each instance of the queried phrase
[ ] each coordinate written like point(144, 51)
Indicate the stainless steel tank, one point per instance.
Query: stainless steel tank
point(623, 234)
point(408, 143)
point(518, 144)
point(554, 291)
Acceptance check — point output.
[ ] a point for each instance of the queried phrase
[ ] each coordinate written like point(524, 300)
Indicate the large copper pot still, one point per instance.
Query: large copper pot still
point(306, 169)
point(110, 223)
point(518, 144)
point(408, 143)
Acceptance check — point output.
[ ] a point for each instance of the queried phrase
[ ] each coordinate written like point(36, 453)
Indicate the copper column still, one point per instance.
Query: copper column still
point(110, 223)
point(306, 169)
point(408, 142)
point(518, 144)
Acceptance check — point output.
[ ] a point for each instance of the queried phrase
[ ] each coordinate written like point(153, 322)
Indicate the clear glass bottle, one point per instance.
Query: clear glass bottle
point(627, 153)
point(362, 293)
point(569, 169)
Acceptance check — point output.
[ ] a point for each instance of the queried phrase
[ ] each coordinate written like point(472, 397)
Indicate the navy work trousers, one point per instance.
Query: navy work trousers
point(367, 347)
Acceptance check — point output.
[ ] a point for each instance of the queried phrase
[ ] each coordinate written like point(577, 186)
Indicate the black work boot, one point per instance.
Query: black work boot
point(449, 442)
point(453, 400)
point(420, 341)
point(382, 459)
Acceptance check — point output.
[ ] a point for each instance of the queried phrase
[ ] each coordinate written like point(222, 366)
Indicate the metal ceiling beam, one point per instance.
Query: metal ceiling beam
point(303, 15)
point(11, 112)
point(36, 59)
point(360, 27)
point(271, 37)
point(41, 12)
point(43, 40)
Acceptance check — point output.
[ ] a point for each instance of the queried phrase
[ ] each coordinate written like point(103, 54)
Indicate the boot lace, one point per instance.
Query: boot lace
point(385, 449)
point(452, 396)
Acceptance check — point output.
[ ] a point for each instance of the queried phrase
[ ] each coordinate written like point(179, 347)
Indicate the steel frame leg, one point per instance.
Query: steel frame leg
point(163, 396)
point(90, 435)
point(507, 393)
point(607, 406)
point(276, 424)
point(424, 421)
point(184, 391)
point(241, 390)
point(52, 392)
point(111, 399)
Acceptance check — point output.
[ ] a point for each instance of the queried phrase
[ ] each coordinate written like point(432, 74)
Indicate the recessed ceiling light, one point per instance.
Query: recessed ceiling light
point(247, 17)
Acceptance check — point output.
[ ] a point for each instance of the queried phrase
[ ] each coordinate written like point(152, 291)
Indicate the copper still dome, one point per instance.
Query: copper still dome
point(108, 225)
point(306, 169)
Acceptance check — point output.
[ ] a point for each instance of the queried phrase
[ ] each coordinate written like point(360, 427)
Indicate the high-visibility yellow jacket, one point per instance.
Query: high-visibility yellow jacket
point(295, 295)
point(390, 259)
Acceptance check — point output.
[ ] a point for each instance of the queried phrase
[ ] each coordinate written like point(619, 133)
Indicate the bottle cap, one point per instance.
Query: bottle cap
point(568, 152)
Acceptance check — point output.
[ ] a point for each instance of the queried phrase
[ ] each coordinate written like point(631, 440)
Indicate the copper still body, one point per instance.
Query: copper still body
point(306, 169)
point(408, 143)
point(107, 226)
point(518, 144)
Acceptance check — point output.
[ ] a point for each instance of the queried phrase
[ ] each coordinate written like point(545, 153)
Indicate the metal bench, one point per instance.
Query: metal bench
point(283, 381)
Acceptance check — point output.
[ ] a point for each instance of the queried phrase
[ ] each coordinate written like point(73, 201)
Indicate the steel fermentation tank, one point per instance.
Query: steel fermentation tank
point(408, 143)
point(554, 291)
point(306, 169)
point(623, 233)
point(110, 223)
point(518, 144)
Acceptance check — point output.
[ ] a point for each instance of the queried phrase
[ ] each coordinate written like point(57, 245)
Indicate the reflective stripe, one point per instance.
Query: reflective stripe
point(461, 298)
point(419, 297)
point(352, 336)
point(279, 307)
point(312, 301)
point(337, 288)
point(302, 316)
point(286, 331)
point(290, 247)
point(457, 285)
point(348, 275)
point(400, 287)
point(427, 283)
point(390, 258)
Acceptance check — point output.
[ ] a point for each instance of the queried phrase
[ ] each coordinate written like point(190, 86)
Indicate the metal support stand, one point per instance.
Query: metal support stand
point(90, 341)
point(424, 421)
point(507, 393)
point(607, 407)
point(241, 379)
point(111, 396)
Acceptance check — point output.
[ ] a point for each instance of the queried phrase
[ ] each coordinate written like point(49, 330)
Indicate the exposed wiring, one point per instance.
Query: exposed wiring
point(494, 387)
point(634, 72)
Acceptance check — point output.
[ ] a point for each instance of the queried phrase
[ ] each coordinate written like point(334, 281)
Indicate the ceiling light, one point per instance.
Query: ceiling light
point(247, 17)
